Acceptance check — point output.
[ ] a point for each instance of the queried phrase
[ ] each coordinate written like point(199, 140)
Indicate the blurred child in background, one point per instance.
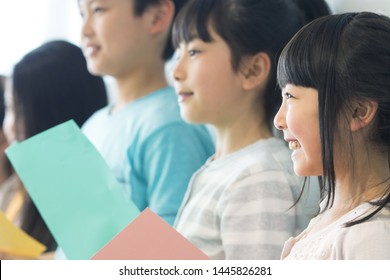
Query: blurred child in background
point(147, 145)
point(8, 181)
point(48, 86)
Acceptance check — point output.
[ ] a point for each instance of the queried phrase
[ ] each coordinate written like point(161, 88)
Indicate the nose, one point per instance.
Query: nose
point(178, 72)
point(280, 118)
point(86, 27)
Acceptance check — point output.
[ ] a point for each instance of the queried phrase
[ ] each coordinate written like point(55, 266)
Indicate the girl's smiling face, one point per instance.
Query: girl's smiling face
point(298, 118)
point(209, 90)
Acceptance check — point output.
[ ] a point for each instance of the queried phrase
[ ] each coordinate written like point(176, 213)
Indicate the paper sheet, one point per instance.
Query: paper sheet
point(14, 241)
point(76, 193)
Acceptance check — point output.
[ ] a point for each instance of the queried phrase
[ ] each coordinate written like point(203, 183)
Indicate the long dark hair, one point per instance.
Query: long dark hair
point(2, 91)
point(344, 57)
point(6, 164)
point(51, 85)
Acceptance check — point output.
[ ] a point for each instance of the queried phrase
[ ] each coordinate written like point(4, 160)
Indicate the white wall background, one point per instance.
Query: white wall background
point(25, 24)
point(378, 6)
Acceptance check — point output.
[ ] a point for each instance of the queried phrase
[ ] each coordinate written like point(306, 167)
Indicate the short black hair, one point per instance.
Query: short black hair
point(141, 5)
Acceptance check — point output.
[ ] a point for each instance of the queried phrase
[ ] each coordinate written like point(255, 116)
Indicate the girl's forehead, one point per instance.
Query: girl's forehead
point(90, 2)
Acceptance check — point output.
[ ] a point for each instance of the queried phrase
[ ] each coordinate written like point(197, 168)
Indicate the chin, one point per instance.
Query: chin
point(299, 172)
point(304, 171)
point(94, 70)
point(188, 118)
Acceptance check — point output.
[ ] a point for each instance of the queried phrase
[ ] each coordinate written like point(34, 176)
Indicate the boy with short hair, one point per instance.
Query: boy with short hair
point(151, 150)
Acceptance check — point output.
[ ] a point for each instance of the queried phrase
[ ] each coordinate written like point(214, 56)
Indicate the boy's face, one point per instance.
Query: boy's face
point(209, 90)
point(114, 40)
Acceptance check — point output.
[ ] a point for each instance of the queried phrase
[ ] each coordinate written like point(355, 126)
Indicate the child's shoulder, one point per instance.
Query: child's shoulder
point(97, 118)
point(267, 159)
point(158, 108)
point(149, 114)
point(380, 223)
point(366, 240)
point(269, 155)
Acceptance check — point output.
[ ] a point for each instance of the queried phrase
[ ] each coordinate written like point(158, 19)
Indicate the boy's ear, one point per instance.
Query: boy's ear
point(363, 113)
point(256, 70)
point(161, 16)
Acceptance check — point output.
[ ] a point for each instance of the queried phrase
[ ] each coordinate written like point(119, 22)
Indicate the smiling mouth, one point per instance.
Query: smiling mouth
point(182, 96)
point(294, 145)
point(91, 51)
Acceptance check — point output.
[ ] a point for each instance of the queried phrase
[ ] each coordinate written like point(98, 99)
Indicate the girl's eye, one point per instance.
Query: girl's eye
point(193, 52)
point(97, 10)
point(288, 95)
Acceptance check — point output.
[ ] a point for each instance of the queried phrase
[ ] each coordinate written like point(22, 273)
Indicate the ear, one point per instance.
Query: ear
point(161, 16)
point(256, 70)
point(363, 113)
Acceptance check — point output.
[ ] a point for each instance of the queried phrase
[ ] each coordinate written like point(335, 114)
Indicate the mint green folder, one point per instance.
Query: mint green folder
point(77, 195)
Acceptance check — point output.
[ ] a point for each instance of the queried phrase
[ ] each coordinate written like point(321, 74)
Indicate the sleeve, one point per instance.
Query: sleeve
point(256, 218)
point(366, 241)
point(171, 157)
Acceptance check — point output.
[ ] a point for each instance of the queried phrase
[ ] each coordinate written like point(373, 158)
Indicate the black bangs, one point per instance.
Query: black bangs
point(192, 22)
point(309, 58)
point(294, 67)
point(298, 62)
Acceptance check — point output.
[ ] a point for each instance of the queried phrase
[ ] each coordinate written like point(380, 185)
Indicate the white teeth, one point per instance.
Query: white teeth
point(89, 51)
point(293, 145)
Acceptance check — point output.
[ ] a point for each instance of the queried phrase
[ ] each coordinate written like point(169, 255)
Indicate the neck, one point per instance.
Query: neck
point(244, 131)
point(139, 83)
point(370, 180)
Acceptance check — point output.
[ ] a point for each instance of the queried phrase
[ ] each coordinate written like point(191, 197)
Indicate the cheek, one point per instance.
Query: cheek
point(310, 139)
point(305, 129)
point(295, 122)
point(217, 80)
point(202, 78)
point(303, 123)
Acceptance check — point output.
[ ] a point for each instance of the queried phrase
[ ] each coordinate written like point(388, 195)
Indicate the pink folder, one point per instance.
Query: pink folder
point(148, 237)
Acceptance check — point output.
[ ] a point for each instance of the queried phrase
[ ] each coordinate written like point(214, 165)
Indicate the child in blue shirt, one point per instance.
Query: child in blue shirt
point(151, 150)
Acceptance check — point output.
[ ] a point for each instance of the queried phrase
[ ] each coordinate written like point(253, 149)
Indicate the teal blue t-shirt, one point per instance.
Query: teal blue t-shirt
point(151, 150)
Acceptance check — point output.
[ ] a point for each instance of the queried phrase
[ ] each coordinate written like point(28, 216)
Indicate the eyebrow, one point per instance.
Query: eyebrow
point(89, 2)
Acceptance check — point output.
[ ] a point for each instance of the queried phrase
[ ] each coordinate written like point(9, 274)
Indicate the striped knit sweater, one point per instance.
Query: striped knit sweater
point(237, 207)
